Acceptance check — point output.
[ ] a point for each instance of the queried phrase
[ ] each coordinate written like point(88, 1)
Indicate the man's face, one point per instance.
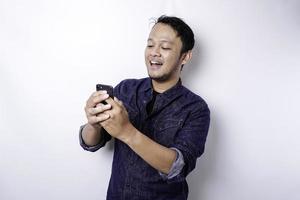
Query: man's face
point(162, 54)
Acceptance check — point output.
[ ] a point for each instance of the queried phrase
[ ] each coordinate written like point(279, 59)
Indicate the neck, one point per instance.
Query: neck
point(160, 87)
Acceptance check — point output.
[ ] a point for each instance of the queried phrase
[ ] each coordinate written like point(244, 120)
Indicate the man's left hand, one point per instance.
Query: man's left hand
point(118, 124)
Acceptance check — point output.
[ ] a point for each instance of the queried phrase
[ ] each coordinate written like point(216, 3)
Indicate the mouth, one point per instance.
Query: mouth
point(155, 64)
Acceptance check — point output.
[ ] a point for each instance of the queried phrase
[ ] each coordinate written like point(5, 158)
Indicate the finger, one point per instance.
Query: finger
point(93, 101)
point(98, 99)
point(118, 101)
point(111, 102)
point(92, 120)
point(99, 109)
point(97, 119)
point(97, 93)
point(109, 112)
point(100, 104)
point(102, 117)
point(91, 104)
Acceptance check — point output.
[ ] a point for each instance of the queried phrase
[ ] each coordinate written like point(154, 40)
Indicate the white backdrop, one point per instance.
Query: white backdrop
point(52, 53)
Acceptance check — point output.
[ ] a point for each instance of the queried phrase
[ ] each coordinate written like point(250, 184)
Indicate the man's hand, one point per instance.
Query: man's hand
point(95, 110)
point(118, 124)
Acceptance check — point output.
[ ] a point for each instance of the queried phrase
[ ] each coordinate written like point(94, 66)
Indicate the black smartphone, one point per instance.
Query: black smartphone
point(108, 88)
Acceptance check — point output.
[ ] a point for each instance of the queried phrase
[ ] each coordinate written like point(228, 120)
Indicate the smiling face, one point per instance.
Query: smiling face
point(163, 54)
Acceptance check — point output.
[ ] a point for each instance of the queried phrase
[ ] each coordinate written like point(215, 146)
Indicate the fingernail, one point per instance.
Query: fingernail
point(107, 106)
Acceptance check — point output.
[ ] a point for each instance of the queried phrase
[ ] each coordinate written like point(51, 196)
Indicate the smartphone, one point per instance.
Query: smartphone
point(108, 88)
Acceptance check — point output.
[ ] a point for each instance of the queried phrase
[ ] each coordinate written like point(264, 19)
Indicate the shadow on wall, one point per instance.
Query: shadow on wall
point(192, 68)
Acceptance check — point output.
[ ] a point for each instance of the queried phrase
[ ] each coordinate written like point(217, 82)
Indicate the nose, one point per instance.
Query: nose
point(155, 51)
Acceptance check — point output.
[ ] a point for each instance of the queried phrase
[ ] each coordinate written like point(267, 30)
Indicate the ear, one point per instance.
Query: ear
point(186, 57)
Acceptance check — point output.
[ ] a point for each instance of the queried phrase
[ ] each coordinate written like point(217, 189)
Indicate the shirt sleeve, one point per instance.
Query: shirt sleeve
point(104, 138)
point(190, 140)
point(177, 166)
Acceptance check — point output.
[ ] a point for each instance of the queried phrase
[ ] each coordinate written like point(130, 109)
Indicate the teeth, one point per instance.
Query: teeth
point(155, 63)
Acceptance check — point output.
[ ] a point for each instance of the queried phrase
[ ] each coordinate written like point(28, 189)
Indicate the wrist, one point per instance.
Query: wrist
point(129, 134)
point(96, 127)
point(91, 134)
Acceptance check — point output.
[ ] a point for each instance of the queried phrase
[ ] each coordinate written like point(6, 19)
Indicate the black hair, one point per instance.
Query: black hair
point(184, 32)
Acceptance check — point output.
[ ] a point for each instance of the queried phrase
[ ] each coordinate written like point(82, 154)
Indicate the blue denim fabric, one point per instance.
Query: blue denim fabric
point(180, 119)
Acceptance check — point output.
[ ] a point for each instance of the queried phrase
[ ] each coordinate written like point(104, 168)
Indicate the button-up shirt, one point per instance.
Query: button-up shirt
point(179, 120)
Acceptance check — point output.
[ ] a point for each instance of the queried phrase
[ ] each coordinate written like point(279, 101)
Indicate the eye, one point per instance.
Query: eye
point(166, 48)
point(149, 45)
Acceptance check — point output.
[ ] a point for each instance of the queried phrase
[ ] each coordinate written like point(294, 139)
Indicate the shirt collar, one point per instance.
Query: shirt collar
point(173, 91)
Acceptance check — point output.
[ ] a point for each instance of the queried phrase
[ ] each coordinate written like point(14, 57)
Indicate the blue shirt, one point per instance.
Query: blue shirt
point(179, 119)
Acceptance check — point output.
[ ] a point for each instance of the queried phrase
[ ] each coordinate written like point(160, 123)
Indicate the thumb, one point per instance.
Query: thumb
point(118, 101)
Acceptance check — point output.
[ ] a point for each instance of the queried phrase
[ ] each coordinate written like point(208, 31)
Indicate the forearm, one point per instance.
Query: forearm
point(158, 156)
point(91, 135)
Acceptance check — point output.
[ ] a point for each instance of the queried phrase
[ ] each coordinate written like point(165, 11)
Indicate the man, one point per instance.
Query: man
point(159, 126)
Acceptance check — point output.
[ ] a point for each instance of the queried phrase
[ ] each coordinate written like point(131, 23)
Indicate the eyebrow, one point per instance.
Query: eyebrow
point(162, 40)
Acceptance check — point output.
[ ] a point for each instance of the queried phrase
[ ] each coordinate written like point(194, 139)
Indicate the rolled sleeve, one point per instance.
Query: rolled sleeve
point(104, 138)
point(176, 166)
point(192, 137)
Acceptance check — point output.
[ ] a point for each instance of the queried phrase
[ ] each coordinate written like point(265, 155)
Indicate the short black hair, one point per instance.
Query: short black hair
point(182, 29)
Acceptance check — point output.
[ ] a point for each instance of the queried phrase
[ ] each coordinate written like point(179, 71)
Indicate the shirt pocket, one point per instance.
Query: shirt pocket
point(165, 130)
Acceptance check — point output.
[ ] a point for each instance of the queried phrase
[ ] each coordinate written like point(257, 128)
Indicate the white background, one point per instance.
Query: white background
point(245, 65)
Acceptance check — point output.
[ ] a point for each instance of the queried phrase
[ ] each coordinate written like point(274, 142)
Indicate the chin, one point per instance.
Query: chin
point(159, 78)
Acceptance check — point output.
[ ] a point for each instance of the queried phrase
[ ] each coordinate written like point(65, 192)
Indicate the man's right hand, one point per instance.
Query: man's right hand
point(95, 113)
point(95, 110)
